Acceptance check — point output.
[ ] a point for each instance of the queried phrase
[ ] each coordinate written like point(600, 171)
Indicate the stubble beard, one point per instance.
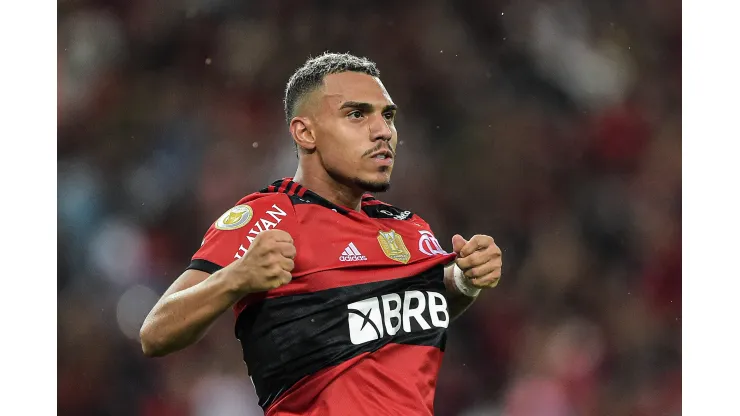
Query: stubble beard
point(367, 186)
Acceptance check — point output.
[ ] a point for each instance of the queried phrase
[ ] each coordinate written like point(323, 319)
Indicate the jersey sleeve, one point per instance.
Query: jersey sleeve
point(230, 236)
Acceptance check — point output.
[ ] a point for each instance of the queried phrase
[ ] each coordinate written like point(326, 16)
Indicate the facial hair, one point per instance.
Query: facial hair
point(367, 186)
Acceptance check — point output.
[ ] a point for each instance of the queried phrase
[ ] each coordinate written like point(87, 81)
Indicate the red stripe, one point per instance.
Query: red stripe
point(284, 185)
point(301, 192)
point(394, 380)
point(316, 280)
point(372, 202)
point(330, 279)
point(291, 188)
point(248, 300)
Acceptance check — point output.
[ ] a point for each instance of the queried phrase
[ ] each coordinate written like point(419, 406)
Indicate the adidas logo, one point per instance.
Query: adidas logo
point(351, 253)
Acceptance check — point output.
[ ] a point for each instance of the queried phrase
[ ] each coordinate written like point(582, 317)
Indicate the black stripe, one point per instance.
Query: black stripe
point(289, 190)
point(292, 188)
point(204, 266)
point(285, 185)
point(312, 198)
point(272, 187)
point(387, 211)
point(288, 338)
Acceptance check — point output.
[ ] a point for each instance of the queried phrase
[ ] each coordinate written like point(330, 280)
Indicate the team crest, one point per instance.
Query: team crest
point(235, 218)
point(393, 246)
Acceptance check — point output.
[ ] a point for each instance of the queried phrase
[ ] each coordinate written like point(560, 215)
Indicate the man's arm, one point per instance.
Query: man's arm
point(186, 311)
point(196, 299)
point(457, 303)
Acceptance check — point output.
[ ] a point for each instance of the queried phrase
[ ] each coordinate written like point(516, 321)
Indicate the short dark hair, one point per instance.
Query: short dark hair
point(311, 75)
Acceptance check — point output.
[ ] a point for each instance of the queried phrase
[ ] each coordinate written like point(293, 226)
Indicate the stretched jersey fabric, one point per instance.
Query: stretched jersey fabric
point(361, 328)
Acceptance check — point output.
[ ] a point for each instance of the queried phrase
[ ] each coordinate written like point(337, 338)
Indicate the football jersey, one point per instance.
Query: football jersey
point(361, 328)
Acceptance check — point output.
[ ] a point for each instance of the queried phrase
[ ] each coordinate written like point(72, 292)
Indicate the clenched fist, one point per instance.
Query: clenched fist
point(266, 265)
point(479, 259)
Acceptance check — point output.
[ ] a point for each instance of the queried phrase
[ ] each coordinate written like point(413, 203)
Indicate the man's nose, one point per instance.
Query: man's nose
point(380, 130)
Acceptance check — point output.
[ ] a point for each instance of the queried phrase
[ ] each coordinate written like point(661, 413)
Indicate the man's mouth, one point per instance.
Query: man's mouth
point(382, 155)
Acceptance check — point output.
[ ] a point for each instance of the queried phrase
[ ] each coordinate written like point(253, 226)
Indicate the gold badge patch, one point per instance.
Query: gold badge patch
point(393, 246)
point(235, 218)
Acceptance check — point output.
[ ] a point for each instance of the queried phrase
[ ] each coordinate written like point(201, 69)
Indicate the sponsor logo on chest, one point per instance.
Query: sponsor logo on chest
point(387, 315)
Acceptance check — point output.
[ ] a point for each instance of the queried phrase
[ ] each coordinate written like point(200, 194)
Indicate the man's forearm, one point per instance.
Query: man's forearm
point(182, 318)
point(457, 303)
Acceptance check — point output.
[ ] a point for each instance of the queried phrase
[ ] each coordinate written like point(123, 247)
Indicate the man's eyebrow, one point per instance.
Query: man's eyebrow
point(366, 107)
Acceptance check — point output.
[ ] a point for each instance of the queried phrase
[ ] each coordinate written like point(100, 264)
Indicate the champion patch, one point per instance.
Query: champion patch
point(235, 218)
point(392, 245)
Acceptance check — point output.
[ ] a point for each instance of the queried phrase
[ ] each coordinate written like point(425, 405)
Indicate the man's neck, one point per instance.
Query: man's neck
point(326, 187)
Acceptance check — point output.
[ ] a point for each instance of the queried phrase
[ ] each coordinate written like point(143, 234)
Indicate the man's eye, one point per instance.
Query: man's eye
point(355, 114)
point(389, 116)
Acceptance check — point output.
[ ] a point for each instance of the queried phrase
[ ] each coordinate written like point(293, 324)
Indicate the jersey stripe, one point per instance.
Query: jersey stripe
point(301, 191)
point(284, 185)
point(291, 188)
point(321, 280)
point(288, 338)
point(343, 389)
point(204, 266)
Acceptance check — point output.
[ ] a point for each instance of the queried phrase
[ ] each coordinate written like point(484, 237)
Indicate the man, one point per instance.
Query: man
point(342, 301)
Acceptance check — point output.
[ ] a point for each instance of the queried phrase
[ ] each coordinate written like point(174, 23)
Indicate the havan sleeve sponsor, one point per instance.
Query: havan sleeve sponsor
point(230, 236)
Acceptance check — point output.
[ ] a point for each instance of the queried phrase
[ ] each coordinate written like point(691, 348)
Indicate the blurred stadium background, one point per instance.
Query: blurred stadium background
point(552, 125)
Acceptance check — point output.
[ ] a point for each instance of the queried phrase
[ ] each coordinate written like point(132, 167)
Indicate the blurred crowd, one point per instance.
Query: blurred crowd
point(552, 125)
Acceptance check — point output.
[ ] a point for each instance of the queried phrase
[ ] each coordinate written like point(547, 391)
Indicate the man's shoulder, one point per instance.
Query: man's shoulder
point(251, 208)
point(267, 204)
point(264, 199)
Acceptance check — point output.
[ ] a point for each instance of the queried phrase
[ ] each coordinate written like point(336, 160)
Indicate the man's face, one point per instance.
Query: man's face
point(354, 130)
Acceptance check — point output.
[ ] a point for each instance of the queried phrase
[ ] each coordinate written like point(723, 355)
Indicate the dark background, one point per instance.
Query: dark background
point(554, 126)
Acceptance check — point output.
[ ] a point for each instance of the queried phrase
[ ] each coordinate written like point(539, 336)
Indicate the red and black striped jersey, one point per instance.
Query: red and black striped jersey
point(361, 328)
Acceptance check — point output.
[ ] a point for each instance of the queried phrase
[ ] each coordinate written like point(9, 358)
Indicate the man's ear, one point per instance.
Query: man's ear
point(301, 128)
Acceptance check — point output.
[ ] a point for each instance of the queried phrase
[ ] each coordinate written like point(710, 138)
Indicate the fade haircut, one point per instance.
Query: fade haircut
point(311, 76)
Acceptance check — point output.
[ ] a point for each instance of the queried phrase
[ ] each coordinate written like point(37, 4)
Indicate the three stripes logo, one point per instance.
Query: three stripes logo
point(351, 253)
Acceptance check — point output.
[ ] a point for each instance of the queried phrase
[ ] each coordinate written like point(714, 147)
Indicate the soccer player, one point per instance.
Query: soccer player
point(342, 301)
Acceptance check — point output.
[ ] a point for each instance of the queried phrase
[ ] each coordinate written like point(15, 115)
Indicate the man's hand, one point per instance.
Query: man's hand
point(266, 265)
point(479, 259)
